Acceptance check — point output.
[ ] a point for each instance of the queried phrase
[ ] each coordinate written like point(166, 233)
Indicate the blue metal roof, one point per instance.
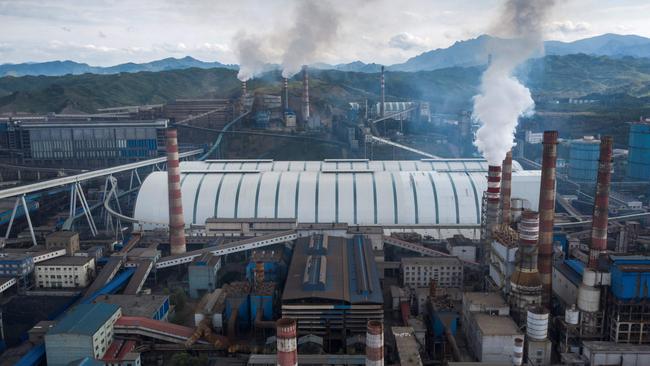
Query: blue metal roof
point(576, 265)
point(85, 319)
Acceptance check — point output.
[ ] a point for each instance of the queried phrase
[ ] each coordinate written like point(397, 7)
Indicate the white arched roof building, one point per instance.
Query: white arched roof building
point(356, 192)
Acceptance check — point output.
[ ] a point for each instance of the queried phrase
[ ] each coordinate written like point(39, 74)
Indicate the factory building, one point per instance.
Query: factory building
point(147, 306)
point(69, 240)
point(421, 271)
point(391, 194)
point(86, 143)
point(638, 161)
point(65, 272)
point(332, 287)
point(19, 266)
point(84, 331)
point(202, 274)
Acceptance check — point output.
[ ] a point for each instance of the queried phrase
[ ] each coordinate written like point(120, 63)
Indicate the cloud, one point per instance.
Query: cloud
point(406, 41)
point(101, 34)
point(567, 27)
point(66, 29)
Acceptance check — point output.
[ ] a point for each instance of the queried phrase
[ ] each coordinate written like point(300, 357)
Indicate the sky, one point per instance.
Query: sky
point(109, 32)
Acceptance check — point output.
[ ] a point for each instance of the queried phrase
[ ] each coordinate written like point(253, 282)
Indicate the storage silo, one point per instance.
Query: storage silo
point(638, 163)
point(583, 159)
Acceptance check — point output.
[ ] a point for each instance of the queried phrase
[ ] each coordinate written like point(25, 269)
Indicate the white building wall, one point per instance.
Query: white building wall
point(66, 276)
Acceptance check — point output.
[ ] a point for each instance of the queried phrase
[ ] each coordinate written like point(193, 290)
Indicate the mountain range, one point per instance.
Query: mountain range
point(467, 53)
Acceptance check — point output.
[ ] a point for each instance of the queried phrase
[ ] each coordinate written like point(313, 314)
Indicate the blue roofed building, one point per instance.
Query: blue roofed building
point(85, 331)
point(332, 286)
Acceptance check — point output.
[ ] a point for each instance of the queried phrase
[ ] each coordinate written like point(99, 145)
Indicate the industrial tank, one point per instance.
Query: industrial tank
point(583, 159)
point(537, 324)
point(638, 163)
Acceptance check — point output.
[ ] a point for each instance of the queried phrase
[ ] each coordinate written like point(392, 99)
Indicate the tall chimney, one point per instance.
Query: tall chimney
point(305, 94)
point(547, 214)
point(525, 280)
point(601, 202)
point(375, 343)
point(244, 88)
point(506, 188)
point(286, 342)
point(493, 199)
point(176, 221)
point(286, 94)
point(518, 352)
point(383, 93)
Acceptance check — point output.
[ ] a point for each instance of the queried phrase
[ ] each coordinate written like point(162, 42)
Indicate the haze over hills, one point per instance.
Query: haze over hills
point(472, 52)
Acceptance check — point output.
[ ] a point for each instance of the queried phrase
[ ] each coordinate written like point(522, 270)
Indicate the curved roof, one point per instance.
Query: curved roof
point(389, 198)
point(441, 165)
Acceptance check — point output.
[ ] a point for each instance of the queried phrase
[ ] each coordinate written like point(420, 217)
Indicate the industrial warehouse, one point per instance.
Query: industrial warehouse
point(286, 211)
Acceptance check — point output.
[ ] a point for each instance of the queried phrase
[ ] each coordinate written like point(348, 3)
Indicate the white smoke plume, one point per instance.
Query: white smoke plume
point(251, 55)
point(503, 98)
point(314, 29)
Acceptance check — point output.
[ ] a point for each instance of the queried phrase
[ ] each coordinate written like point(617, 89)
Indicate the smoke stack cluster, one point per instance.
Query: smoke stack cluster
point(286, 93)
point(176, 221)
point(383, 94)
point(375, 343)
point(506, 188)
point(286, 342)
point(601, 203)
point(525, 280)
point(493, 199)
point(305, 94)
point(547, 213)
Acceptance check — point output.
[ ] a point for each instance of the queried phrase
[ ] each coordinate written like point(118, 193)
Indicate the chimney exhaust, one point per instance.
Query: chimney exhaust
point(547, 214)
point(375, 343)
point(287, 345)
point(305, 94)
point(176, 221)
point(506, 188)
point(601, 202)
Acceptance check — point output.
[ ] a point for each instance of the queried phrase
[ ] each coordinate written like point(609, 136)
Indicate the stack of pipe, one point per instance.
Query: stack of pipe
point(375, 343)
point(525, 280)
point(506, 189)
point(547, 213)
point(286, 93)
point(383, 94)
point(176, 221)
point(493, 200)
point(601, 203)
point(305, 94)
point(286, 342)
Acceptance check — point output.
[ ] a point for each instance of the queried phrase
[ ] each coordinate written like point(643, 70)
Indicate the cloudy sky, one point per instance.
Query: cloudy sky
point(107, 32)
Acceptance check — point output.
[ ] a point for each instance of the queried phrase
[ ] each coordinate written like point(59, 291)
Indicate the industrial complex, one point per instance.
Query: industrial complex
point(152, 242)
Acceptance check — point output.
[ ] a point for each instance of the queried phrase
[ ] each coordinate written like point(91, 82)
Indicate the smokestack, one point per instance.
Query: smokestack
point(375, 343)
point(493, 200)
point(383, 93)
point(601, 203)
point(286, 94)
point(525, 280)
point(506, 188)
point(176, 221)
point(305, 94)
point(547, 214)
point(518, 352)
point(244, 88)
point(286, 342)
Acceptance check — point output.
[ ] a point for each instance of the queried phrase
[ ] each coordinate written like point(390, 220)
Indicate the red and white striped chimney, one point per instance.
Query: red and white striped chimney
point(286, 342)
point(518, 352)
point(382, 106)
point(375, 343)
point(286, 93)
point(493, 200)
point(601, 203)
point(506, 188)
point(176, 221)
point(244, 88)
point(305, 94)
point(547, 214)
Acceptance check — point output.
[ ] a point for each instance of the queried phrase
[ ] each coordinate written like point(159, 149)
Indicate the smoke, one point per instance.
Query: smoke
point(503, 99)
point(251, 55)
point(315, 28)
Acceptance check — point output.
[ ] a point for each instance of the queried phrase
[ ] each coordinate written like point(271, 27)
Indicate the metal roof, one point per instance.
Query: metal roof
point(388, 198)
point(85, 319)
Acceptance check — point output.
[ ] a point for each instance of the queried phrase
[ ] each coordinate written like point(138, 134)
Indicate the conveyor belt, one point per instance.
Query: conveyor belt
point(105, 275)
point(139, 277)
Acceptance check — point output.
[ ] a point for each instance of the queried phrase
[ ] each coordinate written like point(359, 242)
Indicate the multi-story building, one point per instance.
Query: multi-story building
point(62, 272)
point(19, 266)
point(63, 239)
point(420, 271)
point(203, 274)
point(85, 331)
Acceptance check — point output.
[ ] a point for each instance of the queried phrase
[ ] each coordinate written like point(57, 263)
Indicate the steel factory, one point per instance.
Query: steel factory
point(149, 242)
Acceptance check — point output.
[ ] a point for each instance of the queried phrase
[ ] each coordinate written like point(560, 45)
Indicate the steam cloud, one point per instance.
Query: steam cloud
point(503, 99)
point(314, 28)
